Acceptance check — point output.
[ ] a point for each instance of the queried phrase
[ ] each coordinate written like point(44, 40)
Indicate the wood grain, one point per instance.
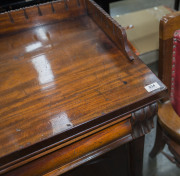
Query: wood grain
point(77, 153)
point(62, 80)
point(169, 120)
point(168, 125)
point(168, 25)
point(88, 77)
point(142, 120)
point(115, 31)
point(42, 14)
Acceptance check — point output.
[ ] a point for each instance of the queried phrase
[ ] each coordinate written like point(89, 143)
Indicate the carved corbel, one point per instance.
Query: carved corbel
point(142, 120)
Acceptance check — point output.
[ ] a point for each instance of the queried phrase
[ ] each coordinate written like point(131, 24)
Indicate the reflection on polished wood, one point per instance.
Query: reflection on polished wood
point(62, 80)
point(79, 152)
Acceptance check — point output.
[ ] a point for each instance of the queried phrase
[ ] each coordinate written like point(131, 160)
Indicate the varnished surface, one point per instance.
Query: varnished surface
point(61, 76)
point(78, 153)
point(28, 17)
point(114, 30)
point(168, 25)
point(106, 165)
point(55, 11)
point(169, 120)
point(61, 80)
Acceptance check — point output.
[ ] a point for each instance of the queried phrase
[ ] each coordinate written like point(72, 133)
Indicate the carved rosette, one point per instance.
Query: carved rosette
point(142, 120)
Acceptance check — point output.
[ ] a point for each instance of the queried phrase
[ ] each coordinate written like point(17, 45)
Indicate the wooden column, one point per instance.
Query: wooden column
point(136, 149)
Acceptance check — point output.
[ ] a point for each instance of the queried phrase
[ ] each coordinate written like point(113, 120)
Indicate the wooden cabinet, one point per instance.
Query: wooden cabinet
point(71, 89)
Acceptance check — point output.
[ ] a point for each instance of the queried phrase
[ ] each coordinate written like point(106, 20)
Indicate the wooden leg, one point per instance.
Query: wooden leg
point(136, 149)
point(176, 5)
point(159, 142)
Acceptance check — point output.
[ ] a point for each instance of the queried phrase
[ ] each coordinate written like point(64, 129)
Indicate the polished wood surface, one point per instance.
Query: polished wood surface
point(55, 80)
point(84, 150)
point(64, 77)
point(115, 31)
point(169, 120)
point(168, 25)
point(26, 18)
point(113, 163)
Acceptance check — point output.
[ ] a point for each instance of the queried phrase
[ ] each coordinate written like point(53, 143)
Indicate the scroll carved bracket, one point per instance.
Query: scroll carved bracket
point(142, 120)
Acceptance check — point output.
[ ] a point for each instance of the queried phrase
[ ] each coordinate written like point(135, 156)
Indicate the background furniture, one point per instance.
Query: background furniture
point(105, 4)
point(72, 90)
point(168, 120)
point(14, 4)
point(176, 4)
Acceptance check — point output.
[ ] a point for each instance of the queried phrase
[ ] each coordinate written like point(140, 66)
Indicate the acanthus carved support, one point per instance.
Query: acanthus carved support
point(142, 120)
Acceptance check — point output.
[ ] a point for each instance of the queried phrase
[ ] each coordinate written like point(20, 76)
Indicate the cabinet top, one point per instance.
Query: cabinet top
point(62, 79)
